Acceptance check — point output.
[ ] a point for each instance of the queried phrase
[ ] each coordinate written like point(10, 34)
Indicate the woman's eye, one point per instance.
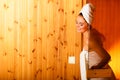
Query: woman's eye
point(80, 24)
point(76, 22)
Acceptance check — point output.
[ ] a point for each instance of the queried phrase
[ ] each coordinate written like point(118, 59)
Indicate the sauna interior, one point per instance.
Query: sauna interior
point(38, 38)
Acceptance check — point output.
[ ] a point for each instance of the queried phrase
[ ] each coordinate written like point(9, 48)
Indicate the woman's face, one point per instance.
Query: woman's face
point(81, 24)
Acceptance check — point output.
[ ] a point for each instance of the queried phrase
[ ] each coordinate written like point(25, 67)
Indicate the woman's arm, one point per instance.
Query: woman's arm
point(105, 58)
point(102, 53)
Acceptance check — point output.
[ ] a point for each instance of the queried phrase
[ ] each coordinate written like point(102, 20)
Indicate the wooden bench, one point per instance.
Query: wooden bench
point(99, 73)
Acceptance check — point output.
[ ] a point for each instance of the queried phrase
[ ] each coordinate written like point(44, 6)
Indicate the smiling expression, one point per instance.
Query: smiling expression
point(81, 24)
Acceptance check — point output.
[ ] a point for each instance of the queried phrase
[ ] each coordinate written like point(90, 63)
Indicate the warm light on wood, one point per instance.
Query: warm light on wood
point(36, 38)
point(115, 57)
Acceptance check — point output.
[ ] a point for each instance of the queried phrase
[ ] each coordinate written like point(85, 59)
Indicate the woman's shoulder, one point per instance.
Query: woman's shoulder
point(96, 37)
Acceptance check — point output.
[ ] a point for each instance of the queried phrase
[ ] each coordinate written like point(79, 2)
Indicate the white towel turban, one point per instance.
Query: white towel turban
point(87, 12)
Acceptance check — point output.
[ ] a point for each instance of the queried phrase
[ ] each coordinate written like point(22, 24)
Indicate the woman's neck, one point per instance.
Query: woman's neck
point(86, 34)
point(85, 39)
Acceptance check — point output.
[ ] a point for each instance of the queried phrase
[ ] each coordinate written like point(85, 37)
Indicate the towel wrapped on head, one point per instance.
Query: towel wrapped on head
point(87, 12)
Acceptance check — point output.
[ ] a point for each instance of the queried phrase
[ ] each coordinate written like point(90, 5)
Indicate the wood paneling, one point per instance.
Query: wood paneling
point(36, 39)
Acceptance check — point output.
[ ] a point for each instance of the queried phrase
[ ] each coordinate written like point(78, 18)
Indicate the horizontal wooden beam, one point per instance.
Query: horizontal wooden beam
point(99, 73)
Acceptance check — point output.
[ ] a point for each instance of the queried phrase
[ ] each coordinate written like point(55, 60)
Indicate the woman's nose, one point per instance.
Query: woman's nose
point(77, 25)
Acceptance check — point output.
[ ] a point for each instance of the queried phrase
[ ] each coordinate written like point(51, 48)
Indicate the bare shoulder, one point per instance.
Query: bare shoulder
point(96, 38)
point(96, 43)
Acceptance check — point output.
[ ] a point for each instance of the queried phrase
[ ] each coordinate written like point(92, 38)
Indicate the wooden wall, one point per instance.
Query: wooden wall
point(107, 21)
point(36, 39)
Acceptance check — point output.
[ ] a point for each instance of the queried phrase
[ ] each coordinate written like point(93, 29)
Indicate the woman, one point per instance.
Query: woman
point(93, 55)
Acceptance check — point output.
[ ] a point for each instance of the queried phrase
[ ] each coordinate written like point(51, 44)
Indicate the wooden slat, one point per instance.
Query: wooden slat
point(99, 73)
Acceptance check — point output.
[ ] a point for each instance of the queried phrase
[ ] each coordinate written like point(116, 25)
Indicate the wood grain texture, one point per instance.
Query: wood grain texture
point(36, 39)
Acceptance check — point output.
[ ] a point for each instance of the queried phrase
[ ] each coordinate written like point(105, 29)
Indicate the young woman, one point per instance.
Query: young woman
point(93, 55)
